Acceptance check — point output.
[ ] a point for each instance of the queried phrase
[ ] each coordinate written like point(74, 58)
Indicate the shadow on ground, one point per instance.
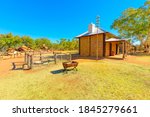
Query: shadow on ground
point(115, 58)
point(141, 54)
point(61, 71)
point(16, 69)
point(58, 71)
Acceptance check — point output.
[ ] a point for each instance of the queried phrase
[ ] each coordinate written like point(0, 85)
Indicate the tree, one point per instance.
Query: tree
point(134, 23)
point(63, 44)
point(9, 35)
point(43, 43)
point(15, 41)
point(2, 44)
point(74, 44)
point(28, 41)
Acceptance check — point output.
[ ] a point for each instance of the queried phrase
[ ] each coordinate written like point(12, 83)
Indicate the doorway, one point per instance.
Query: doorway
point(110, 49)
point(116, 49)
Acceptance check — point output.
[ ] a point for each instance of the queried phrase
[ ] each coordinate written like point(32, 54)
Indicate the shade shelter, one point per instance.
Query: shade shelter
point(115, 46)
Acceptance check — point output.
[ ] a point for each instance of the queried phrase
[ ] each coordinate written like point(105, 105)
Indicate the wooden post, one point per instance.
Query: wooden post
point(97, 47)
point(14, 55)
point(79, 46)
point(55, 58)
point(127, 49)
point(104, 45)
point(29, 66)
point(25, 57)
point(123, 49)
point(40, 56)
point(61, 57)
point(70, 57)
point(31, 61)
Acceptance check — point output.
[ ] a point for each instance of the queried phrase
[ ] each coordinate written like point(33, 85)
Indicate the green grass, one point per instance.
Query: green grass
point(93, 80)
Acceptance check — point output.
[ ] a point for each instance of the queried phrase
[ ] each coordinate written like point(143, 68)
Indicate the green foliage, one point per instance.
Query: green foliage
point(28, 41)
point(65, 44)
point(11, 41)
point(134, 23)
point(43, 43)
point(2, 43)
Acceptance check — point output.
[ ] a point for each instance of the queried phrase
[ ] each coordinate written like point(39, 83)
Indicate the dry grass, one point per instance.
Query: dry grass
point(94, 80)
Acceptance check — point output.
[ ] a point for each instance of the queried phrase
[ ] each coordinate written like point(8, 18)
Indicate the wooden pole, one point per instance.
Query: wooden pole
point(97, 47)
point(123, 49)
point(55, 58)
point(97, 26)
point(70, 57)
point(31, 61)
point(40, 56)
point(61, 57)
point(25, 58)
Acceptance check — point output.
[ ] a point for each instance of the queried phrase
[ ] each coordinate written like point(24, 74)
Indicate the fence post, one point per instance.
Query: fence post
point(40, 56)
point(123, 46)
point(55, 58)
point(61, 57)
point(70, 57)
point(31, 61)
point(25, 57)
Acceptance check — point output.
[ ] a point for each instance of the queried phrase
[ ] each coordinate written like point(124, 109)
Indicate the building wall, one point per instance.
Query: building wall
point(107, 52)
point(84, 46)
point(114, 47)
point(88, 45)
point(94, 45)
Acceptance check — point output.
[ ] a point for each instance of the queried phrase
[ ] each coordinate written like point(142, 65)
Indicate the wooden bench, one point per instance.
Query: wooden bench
point(22, 65)
point(70, 64)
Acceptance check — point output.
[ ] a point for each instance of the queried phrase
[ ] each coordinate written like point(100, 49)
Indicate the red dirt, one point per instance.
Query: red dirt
point(6, 65)
point(132, 59)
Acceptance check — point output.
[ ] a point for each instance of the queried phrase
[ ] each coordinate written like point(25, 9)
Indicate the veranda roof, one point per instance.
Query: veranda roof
point(115, 39)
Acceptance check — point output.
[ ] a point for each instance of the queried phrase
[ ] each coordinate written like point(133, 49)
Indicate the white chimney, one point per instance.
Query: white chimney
point(91, 28)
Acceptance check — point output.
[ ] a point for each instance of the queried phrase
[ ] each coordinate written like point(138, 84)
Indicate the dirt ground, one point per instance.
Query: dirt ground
point(6, 65)
point(133, 59)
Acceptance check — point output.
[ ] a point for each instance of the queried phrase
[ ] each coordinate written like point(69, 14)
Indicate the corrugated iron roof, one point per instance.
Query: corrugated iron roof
point(87, 33)
point(92, 30)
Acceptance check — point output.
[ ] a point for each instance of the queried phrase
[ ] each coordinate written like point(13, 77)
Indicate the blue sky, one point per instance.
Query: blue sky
point(55, 19)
